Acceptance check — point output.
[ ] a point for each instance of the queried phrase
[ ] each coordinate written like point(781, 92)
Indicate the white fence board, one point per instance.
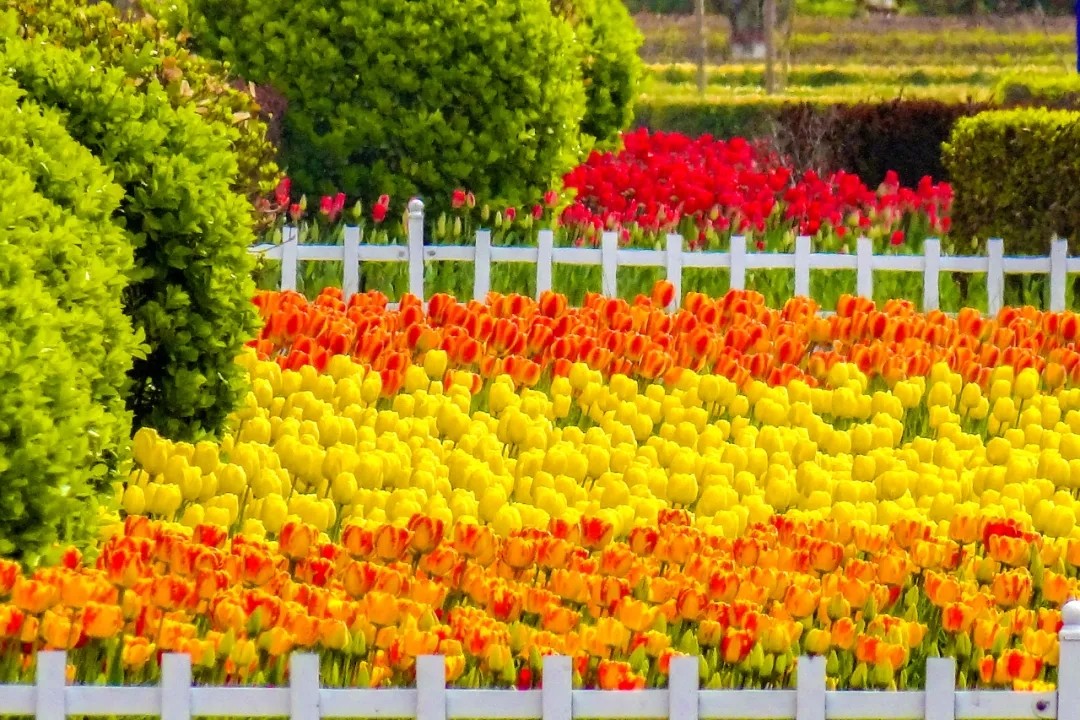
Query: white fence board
point(1004, 705)
point(864, 704)
point(747, 704)
point(382, 703)
point(556, 695)
point(674, 264)
point(240, 701)
point(483, 704)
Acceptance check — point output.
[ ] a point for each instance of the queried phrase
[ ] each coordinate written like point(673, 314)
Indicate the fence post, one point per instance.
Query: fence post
point(810, 688)
point(1068, 685)
point(416, 247)
point(49, 683)
point(176, 686)
point(351, 277)
point(557, 693)
point(674, 268)
point(609, 260)
point(1059, 258)
point(304, 686)
point(431, 687)
point(802, 266)
point(683, 688)
point(482, 265)
point(738, 262)
point(544, 250)
point(290, 251)
point(864, 264)
point(931, 274)
point(940, 689)
point(995, 275)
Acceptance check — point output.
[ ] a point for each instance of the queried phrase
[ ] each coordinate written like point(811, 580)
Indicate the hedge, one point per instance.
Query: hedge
point(1015, 175)
point(1060, 92)
point(149, 50)
point(409, 98)
point(612, 69)
point(867, 138)
point(870, 139)
point(190, 292)
point(68, 346)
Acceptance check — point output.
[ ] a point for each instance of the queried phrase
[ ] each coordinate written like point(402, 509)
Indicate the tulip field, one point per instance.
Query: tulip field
point(496, 482)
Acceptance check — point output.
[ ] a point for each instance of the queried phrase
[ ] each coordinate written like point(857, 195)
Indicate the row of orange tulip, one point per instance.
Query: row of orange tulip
point(736, 336)
point(876, 601)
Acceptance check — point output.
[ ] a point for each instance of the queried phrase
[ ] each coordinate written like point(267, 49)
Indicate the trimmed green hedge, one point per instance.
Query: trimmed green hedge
point(190, 292)
point(612, 69)
point(870, 139)
point(148, 50)
point(1060, 92)
point(866, 138)
point(67, 345)
point(745, 116)
point(1015, 175)
point(415, 97)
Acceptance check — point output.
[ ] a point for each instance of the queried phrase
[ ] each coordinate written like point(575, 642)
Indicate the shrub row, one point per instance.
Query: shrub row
point(673, 39)
point(420, 98)
point(1060, 92)
point(1015, 175)
point(67, 344)
point(752, 74)
point(867, 138)
point(148, 51)
point(125, 222)
point(190, 292)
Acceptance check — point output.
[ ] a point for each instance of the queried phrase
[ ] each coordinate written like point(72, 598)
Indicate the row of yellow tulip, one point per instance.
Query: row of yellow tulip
point(322, 449)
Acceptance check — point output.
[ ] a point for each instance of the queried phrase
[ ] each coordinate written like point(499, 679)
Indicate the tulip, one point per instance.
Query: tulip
point(102, 621)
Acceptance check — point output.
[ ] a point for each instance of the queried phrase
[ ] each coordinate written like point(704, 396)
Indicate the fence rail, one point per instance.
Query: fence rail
point(304, 699)
point(674, 258)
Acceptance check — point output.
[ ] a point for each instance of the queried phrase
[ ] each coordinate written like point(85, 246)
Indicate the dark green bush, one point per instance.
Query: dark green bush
point(871, 139)
point(747, 117)
point(1059, 92)
point(612, 69)
point(65, 344)
point(190, 291)
point(1015, 175)
point(149, 50)
point(865, 138)
point(413, 97)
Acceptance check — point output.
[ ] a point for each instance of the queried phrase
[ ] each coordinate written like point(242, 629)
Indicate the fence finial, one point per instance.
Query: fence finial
point(1068, 685)
point(1070, 615)
point(416, 207)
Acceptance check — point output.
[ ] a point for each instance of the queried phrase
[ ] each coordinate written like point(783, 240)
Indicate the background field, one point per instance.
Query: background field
point(842, 60)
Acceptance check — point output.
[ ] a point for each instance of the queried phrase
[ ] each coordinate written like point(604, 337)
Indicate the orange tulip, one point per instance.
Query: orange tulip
point(137, 651)
point(596, 533)
point(427, 533)
point(359, 542)
point(296, 539)
point(102, 620)
point(518, 552)
point(33, 596)
point(475, 541)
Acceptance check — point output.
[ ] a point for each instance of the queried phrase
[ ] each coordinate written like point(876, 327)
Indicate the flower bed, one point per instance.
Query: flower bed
point(515, 501)
point(703, 188)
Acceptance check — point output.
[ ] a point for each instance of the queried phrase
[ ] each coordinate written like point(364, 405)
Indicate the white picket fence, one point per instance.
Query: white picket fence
point(175, 698)
point(1058, 265)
